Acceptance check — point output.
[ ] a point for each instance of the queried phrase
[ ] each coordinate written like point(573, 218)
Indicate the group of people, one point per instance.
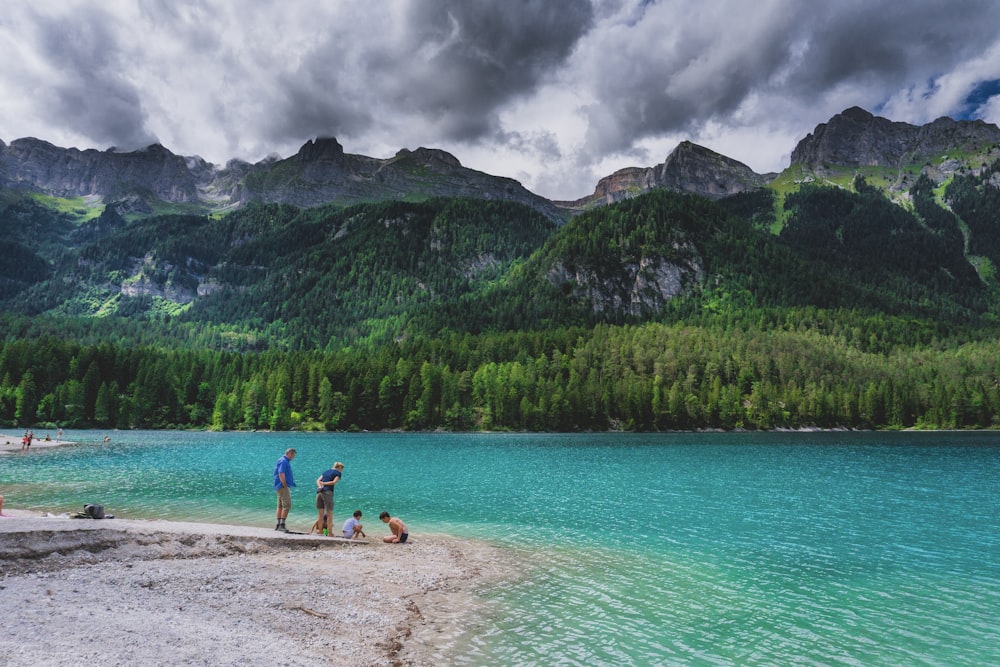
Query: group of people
point(325, 483)
point(29, 437)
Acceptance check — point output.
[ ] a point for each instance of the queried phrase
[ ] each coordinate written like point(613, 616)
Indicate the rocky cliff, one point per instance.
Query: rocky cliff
point(857, 138)
point(68, 172)
point(320, 173)
point(689, 168)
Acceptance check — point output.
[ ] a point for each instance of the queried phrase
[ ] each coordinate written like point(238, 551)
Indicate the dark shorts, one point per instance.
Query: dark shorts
point(403, 537)
point(324, 501)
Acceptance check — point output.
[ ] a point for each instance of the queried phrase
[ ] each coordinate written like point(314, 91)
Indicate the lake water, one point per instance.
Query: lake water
point(643, 549)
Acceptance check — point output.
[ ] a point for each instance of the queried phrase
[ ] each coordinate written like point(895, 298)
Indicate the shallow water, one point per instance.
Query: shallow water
point(651, 549)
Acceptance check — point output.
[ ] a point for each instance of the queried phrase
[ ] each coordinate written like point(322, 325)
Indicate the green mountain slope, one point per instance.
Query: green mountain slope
point(665, 311)
point(299, 277)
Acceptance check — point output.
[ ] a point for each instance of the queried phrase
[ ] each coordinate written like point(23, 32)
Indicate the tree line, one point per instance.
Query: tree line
point(803, 368)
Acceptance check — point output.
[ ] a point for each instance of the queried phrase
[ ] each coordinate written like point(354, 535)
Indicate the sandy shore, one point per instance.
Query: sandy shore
point(128, 592)
point(11, 444)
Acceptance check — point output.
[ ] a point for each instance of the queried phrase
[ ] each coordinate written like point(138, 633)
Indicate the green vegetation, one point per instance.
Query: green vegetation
point(80, 209)
point(720, 374)
point(795, 307)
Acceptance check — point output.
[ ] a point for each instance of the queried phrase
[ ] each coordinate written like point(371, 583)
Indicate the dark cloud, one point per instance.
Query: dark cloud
point(556, 94)
point(450, 67)
point(890, 44)
point(91, 94)
point(665, 74)
point(669, 80)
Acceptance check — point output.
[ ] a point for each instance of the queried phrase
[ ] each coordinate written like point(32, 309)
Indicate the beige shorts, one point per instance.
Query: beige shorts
point(284, 498)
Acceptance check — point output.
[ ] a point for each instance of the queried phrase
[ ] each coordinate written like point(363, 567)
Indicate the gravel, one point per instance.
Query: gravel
point(125, 592)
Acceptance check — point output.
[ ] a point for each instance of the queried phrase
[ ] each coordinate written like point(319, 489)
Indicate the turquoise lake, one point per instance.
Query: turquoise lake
point(642, 549)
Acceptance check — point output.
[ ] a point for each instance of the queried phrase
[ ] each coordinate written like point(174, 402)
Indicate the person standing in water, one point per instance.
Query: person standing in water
point(283, 483)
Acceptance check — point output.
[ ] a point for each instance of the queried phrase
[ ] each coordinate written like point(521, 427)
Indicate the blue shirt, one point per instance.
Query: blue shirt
point(283, 466)
point(328, 476)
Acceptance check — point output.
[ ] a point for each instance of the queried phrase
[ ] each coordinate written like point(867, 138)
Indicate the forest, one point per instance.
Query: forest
point(857, 313)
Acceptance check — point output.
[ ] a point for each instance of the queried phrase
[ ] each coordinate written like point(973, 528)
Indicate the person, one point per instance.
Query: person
point(283, 483)
point(318, 526)
point(59, 435)
point(398, 528)
point(1, 507)
point(25, 443)
point(324, 496)
point(353, 527)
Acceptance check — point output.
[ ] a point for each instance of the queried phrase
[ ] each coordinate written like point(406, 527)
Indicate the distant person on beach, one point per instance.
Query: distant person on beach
point(398, 528)
point(324, 495)
point(283, 483)
point(353, 527)
point(59, 435)
point(25, 443)
point(1, 507)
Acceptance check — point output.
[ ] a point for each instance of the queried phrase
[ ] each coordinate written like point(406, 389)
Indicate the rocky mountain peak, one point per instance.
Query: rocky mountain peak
point(689, 168)
point(69, 172)
point(322, 148)
point(429, 157)
point(858, 138)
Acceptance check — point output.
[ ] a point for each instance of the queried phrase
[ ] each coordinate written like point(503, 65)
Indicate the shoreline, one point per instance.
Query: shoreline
point(11, 444)
point(138, 592)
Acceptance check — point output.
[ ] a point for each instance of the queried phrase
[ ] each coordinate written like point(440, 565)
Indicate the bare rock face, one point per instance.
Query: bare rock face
point(689, 168)
point(856, 138)
point(320, 173)
point(68, 172)
point(637, 289)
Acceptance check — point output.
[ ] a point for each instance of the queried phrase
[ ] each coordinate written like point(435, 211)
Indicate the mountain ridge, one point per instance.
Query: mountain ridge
point(322, 172)
point(858, 138)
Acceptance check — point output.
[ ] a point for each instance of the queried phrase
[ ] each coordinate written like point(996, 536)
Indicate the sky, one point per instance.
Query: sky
point(553, 93)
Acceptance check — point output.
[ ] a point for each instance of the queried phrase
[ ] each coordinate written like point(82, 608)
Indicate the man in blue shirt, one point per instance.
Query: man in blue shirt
point(282, 485)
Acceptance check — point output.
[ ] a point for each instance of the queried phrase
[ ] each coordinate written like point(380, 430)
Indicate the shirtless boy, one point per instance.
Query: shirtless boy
point(398, 528)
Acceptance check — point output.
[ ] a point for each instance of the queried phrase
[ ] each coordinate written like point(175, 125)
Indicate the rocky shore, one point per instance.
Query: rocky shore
point(128, 592)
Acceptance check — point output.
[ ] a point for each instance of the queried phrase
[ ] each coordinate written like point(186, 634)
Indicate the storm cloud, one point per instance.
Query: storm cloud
point(554, 94)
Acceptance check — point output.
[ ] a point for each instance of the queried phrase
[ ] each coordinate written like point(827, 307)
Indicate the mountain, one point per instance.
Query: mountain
point(689, 168)
point(154, 180)
point(37, 165)
point(321, 173)
point(891, 155)
point(856, 138)
point(857, 289)
point(325, 245)
point(144, 181)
